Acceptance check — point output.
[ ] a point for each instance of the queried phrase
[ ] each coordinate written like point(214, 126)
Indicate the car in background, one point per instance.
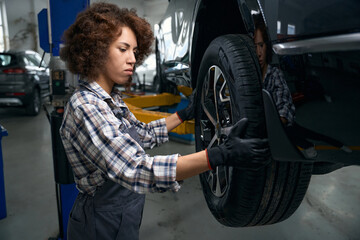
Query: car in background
point(24, 80)
point(208, 45)
point(145, 75)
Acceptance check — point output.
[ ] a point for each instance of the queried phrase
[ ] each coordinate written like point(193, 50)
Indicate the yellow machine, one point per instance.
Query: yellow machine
point(137, 103)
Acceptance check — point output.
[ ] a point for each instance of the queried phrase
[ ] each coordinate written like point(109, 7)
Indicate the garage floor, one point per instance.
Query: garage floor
point(330, 210)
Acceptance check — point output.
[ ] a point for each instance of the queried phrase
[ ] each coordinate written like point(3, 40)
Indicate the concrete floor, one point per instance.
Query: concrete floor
point(330, 210)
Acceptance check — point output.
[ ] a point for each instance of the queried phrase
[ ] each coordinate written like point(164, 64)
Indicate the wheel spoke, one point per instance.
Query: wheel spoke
point(222, 176)
point(217, 181)
point(218, 187)
point(210, 179)
point(215, 123)
point(224, 93)
point(212, 141)
point(217, 74)
point(207, 104)
point(210, 110)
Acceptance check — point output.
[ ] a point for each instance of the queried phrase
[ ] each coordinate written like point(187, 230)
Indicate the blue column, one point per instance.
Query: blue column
point(3, 132)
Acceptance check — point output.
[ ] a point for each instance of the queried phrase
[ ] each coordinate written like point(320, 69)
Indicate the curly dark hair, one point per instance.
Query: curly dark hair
point(260, 24)
point(87, 40)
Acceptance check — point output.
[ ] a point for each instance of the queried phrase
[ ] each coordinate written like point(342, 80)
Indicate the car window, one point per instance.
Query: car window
point(5, 59)
point(34, 61)
point(28, 61)
point(150, 62)
point(37, 58)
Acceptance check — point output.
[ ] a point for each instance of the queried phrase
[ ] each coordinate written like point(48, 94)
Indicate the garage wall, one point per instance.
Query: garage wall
point(22, 22)
point(22, 18)
point(151, 10)
point(137, 4)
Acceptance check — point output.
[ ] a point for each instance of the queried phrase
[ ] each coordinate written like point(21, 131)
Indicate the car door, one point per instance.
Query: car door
point(173, 42)
point(41, 71)
point(175, 30)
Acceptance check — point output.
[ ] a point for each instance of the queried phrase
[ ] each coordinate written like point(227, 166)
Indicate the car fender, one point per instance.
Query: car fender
point(240, 15)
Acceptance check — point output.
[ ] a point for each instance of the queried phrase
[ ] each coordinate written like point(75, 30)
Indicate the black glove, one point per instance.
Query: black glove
point(188, 112)
point(234, 151)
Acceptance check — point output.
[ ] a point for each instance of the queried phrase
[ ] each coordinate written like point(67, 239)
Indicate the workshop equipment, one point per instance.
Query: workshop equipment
point(3, 133)
point(138, 104)
point(53, 21)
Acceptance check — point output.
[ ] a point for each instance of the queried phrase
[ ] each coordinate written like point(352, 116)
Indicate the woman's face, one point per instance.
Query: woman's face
point(260, 48)
point(121, 60)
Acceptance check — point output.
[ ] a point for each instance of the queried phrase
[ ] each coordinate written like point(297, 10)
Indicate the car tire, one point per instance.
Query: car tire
point(228, 89)
point(33, 108)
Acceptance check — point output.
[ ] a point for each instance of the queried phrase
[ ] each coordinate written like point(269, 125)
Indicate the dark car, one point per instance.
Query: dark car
point(316, 44)
point(24, 80)
point(145, 74)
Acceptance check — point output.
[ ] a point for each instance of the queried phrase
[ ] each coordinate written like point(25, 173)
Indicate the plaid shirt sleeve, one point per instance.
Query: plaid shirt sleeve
point(275, 83)
point(151, 134)
point(93, 138)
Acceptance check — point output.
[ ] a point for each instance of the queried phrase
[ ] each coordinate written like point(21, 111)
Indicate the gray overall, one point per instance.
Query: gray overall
point(113, 213)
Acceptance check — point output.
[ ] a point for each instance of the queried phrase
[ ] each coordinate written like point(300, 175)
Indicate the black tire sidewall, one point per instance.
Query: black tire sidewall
point(32, 109)
point(227, 209)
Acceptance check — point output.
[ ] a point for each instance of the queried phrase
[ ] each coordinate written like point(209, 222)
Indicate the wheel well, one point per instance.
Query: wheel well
point(211, 22)
point(37, 88)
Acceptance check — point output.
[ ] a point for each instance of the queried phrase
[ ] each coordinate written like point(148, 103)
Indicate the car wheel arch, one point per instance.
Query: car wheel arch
point(201, 40)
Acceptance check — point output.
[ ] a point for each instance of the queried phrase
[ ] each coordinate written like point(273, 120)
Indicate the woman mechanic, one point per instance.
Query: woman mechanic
point(105, 143)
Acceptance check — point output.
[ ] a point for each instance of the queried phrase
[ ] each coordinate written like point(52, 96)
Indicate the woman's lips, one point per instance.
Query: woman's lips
point(129, 71)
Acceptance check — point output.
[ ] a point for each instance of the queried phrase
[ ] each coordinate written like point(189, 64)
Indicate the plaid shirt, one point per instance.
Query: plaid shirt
point(276, 85)
point(94, 134)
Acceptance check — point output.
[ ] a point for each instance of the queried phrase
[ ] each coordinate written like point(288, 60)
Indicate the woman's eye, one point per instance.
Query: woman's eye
point(122, 49)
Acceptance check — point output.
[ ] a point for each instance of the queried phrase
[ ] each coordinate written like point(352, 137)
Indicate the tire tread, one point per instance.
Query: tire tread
point(271, 194)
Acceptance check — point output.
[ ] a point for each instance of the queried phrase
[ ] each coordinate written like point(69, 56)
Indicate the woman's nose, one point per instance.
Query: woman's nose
point(258, 52)
point(132, 58)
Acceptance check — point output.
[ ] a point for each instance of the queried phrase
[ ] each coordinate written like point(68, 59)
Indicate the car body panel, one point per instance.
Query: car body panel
point(316, 44)
point(174, 46)
point(298, 20)
point(306, 19)
point(146, 72)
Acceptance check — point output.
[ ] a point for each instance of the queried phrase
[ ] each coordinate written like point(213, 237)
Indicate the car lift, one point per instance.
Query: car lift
point(53, 21)
point(137, 103)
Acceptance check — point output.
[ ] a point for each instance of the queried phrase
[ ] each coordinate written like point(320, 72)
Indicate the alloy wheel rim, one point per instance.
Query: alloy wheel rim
point(215, 123)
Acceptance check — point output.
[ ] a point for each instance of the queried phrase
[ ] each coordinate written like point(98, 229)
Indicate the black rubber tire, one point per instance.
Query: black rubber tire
point(34, 106)
point(249, 198)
